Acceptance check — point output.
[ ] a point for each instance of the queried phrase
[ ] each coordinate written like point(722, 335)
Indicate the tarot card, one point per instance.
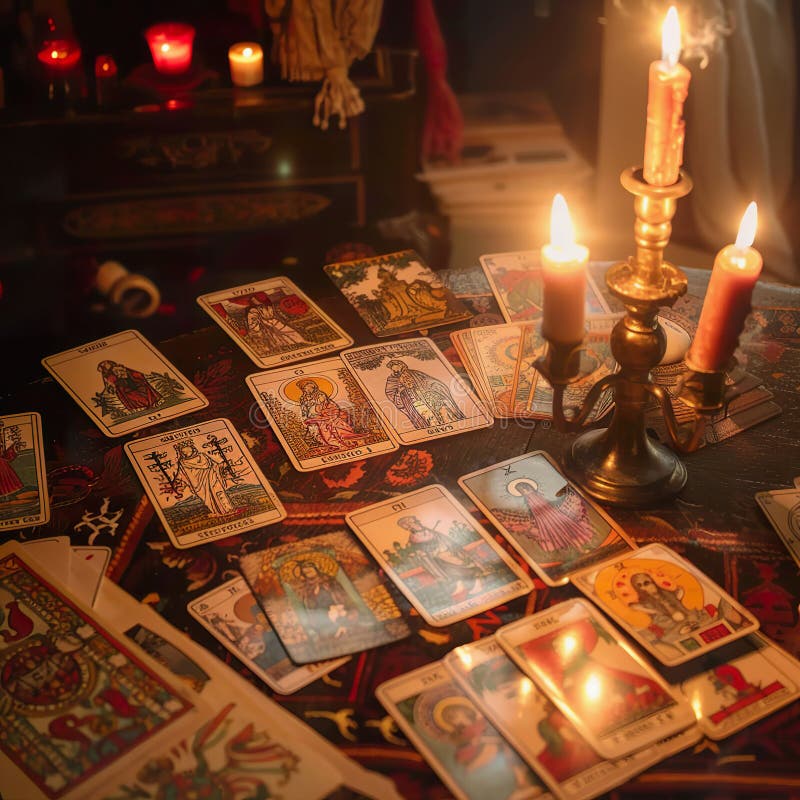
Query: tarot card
point(320, 414)
point(203, 483)
point(539, 732)
point(123, 383)
point(516, 280)
point(497, 352)
point(23, 474)
point(232, 615)
point(462, 747)
point(274, 322)
point(599, 682)
point(323, 596)
point(416, 391)
point(78, 700)
point(87, 569)
point(464, 343)
point(396, 293)
point(670, 607)
point(782, 507)
point(554, 527)
point(737, 685)
point(439, 557)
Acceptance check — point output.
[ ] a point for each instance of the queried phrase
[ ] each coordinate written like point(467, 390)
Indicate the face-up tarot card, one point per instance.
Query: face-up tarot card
point(23, 475)
point(204, 483)
point(274, 322)
point(737, 685)
point(232, 615)
point(539, 732)
point(77, 700)
point(123, 383)
point(608, 691)
point(555, 528)
point(670, 607)
point(320, 414)
point(416, 391)
point(442, 560)
point(516, 280)
point(323, 596)
point(87, 570)
point(396, 293)
point(464, 749)
point(782, 507)
point(497, 351)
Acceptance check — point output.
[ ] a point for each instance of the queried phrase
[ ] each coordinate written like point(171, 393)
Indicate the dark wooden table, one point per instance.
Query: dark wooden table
point(714, 522)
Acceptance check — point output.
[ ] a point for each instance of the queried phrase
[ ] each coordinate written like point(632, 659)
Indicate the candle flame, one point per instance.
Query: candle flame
point(247, 52)
point(165, 47)
point(54, 54)
point(562, 231)
point(671, 38)
point(747, 227)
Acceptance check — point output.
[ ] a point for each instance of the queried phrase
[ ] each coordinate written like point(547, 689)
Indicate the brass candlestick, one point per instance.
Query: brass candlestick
point(621, 464)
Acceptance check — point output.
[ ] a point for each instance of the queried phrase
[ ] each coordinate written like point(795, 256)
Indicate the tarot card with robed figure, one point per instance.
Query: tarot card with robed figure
point(442, 560)
point(545, 517)
point(453, 735)
point(665, 603)
point(123, 383)
point(415, 390)
point(232, 615)
point(23, 473)
point(617, 701)
point(203, 483)
point(396, 293)
point(323, 597)
point(320, 414)
point(541, 733)
point(274, 322)
point(77, 700)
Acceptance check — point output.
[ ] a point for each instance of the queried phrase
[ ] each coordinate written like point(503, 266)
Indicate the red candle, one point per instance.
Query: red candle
point(727, 304)
point(667, 90)
point(170, 45)
point(563, 279)
point(60, 54)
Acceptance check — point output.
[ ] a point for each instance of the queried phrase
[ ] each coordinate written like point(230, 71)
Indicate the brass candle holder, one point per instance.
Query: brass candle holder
point(621, 464)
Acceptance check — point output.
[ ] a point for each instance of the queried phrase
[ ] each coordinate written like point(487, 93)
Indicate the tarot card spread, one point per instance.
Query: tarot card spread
point(203, 483)
point(396, 293)
point(232, 615)
point(782, 507)
point(668, 605)
point(446, 564)
point(123, 383)
point(416, 391)
point(274, 322)
point(544, 517)
point(320, 414)
point(323, 597)
point(609, 692)
point(76, 699)
point(473, 760)
point(23, 474)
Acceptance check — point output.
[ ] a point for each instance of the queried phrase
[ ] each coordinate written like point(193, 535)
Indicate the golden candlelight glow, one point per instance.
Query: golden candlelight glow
point(671, 38)
point(165, 48)
point(525, 687)
point(593, 688)
point(566, 645)
point(747, 227)
point(562, 231)
point(247, 52)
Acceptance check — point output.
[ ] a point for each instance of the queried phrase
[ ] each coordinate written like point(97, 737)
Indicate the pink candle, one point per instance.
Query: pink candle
point(667, 90)
point(563, 279)
point(727, 304)
point(171, 46)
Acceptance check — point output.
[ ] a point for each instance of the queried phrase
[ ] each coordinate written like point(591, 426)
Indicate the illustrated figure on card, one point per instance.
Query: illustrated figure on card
point(11, 445)
point(131, 387)
point(263, 326)
point(206, 477)
point(403, 299)
point(323, 417)
point(425, 400)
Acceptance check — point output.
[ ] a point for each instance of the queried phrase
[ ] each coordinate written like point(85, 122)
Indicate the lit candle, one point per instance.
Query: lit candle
point(727, 304)
point(563, 279)
point(60, 54)
point(246, 60)
point(668, 87)
point(170, 45)
point(105, 77)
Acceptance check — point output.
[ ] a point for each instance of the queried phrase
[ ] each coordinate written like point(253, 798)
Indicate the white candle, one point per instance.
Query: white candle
point(246, 61)
point(563, 279)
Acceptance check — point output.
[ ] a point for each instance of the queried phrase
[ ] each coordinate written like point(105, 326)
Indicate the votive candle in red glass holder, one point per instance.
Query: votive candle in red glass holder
point(170, 45)
point(59, 55)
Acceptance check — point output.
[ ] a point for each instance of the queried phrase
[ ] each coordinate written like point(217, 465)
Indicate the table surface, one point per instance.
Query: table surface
point(714, 522)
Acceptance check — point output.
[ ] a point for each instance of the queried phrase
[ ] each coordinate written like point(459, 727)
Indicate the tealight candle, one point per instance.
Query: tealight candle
point(170, 45)
point(246, 61)
point(667, 90)
point(727, 304)
point(60, 54)
point(563, 279)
